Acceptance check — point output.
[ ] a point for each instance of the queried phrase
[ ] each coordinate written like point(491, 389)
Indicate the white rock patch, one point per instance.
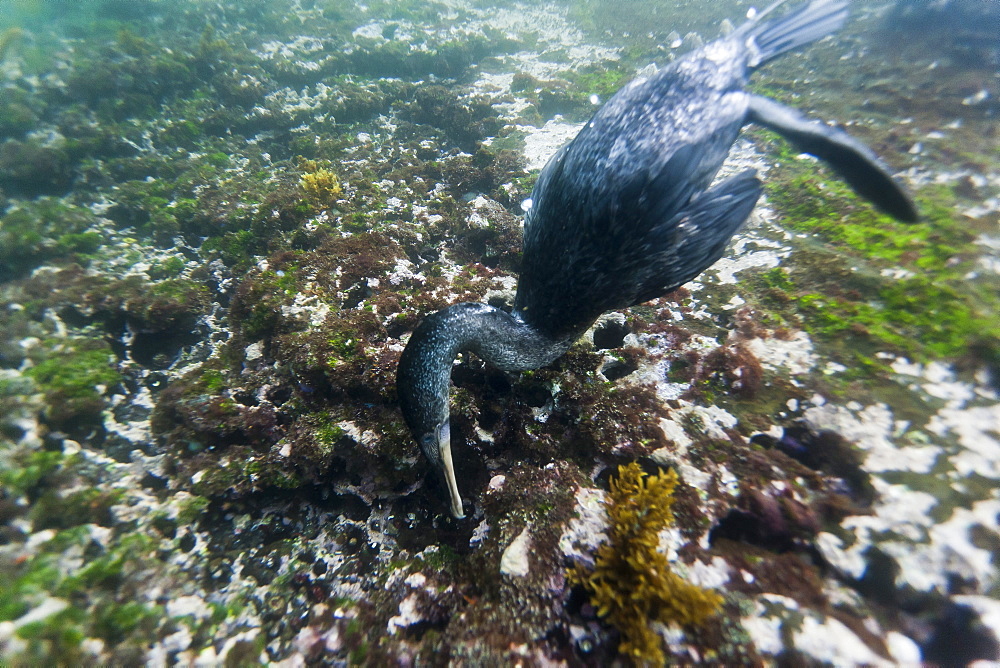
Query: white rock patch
point(515, 559)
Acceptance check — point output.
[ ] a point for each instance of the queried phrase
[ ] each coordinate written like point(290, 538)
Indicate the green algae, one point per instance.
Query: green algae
point(191, 509)
point(96, 606)
point(21, 589)
point(16, 117)
point(918, 316)
point(603, 81)
point(329, 434)
point(54, 509)
point(915, 316)
point(213, 380)
point(237, 249)
point(42, 230)
point(74, 381)
point(24, 473)
point(930, 312)
point(258, 307)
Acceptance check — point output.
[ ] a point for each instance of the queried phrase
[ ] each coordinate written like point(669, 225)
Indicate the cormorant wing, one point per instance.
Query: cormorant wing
point(605, 226)
point(851, 159)
point(694, 239)
point(662, 196)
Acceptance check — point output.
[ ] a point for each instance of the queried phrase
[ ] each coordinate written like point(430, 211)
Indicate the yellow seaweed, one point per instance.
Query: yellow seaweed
point(320, 184)
point(632, 584)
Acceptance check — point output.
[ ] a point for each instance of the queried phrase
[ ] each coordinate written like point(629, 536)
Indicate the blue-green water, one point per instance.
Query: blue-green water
point(221, 222)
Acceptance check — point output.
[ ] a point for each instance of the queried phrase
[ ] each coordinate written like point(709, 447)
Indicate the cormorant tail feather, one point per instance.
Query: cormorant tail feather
point(804, 25)
point(763, 14)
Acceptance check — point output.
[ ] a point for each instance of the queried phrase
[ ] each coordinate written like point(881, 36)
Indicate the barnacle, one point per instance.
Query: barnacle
point(631, 583)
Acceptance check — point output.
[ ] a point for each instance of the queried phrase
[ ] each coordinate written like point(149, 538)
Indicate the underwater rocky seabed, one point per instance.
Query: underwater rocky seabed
point(221, 223)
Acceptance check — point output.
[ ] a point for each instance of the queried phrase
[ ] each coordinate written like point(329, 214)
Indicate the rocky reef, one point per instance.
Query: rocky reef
point(219, 224)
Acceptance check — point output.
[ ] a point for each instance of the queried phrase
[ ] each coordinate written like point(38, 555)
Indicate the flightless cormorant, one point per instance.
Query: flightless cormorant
point(626, 212)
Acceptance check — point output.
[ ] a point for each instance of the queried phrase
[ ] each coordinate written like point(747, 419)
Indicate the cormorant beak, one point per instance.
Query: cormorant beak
point(448, 466)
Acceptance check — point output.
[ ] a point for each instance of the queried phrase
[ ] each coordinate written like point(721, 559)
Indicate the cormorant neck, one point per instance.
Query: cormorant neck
point(424, 374)
point(500, 338)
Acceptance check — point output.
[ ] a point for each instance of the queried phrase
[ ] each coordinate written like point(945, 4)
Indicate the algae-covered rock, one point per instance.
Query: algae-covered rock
point(32, 167)
point(44, 229)
point(74, 377)
point(221, 222)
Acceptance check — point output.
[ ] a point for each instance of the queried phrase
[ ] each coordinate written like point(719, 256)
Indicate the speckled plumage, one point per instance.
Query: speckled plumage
point(625, 212)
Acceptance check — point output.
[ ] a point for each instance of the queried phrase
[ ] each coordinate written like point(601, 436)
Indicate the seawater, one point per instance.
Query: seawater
point(220, 222)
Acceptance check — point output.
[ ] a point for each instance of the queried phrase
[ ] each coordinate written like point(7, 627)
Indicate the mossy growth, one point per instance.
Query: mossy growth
point(16, 114)
point(814, 201)
point(173, 304)
point(329, 433)
point(41, 230)
point(632, 584)
point(22, 473)
point(929, 311)
point(170, 267)
point(257, 308)
point(57, 509)
point(917, 316)
point(73, 382)
point(573, 98)
point(101, 606)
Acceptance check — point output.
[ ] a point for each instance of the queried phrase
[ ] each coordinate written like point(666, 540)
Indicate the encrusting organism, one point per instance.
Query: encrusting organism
point(631, 583)
point(624, 213)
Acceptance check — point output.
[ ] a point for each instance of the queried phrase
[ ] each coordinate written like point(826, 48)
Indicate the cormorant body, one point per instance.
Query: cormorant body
point(626, 212)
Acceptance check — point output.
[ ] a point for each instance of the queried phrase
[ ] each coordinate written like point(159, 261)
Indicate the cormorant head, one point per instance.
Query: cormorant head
point(423, 379)
point(436, 444)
